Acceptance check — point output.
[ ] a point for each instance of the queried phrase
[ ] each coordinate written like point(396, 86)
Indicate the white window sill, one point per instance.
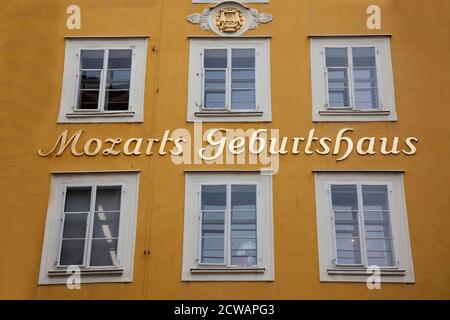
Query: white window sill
point(346, 112)
point(87, 114)
point(228, 113)
point(203, 270)
point(87, 272)
point(364, 272)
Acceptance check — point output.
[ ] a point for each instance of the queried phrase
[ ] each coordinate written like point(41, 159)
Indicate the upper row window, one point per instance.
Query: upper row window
point(229, 80)
point(104, 80)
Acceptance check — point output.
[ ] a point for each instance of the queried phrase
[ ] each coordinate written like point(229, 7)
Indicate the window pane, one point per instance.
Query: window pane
point(366, 98)
point(75, 225)
point(337, 78)
point(78, 199)
point(214, 197)
point(243, 197)
point(243, 99)
point(88, 100)
point(346, 224)
point(243, 79)
point(214, 99)
point(117, 100)
point(344, 197)
point(375, 197)
point(103, 253)
point(108, 198)
point(348, 251)
point(363, 57)
point(213, 250)
point(336, 57)
point(243, 252)
point(243, 224)
point(213, 224)
point(106, 225)
point(119, 59)
point(215, 58)
point(118, 79)
point(377, 224)
point(72, 252)
point(90, 79)
point(243, 58)
point(91, 59)
point(365, 78)
point(379, 252)
point(215, 79)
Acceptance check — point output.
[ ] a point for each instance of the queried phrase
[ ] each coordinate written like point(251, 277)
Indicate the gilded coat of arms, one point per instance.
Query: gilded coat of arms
point(230, 20)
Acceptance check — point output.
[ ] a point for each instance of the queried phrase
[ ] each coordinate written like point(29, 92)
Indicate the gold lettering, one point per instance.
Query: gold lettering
point(64, 143)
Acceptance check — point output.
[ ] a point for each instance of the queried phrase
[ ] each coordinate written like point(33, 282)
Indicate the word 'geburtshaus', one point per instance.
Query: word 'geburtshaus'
point(232, 141)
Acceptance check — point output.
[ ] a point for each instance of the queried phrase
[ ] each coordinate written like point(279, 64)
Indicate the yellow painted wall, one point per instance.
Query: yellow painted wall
point(31, 68)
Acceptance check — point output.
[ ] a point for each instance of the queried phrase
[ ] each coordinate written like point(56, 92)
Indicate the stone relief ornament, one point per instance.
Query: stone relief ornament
point(229, 18)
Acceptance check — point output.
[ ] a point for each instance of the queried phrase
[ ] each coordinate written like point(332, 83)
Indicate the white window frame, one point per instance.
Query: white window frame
point(193, 269)
point(262, 112)
point(319, 82)
point(53, 273)
point(403, 271)
point(69, 113)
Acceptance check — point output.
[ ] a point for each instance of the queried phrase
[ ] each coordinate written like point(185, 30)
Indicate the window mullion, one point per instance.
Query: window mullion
point(227, 235)
point(104, 76)
point(362, 234)
point(228, 80)
point(90, 227)
point(351, 88)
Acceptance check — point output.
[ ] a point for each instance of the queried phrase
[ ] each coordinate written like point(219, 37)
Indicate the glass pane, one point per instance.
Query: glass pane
point(108, 198)
point(90, 79)
point(338, 98)
point(243, 252)
point(243, 79)
point(103, 253)
point(363, 57)
point(72, 252)
point(337, 78)
point(78, 199)
point(243, 197)
point(344, 197)
point(215, 79)
point(119, 59)
point(214, 197)
point(379, 252)
point(92, 59)
point(243, 224)
point(75, 225)
point(365, 78)
point(336, 57)
point(88, 100)
point(375, 197)
point(377, 225)
point(346, 224)
point(243, 99)
point(366, 98)
point(106, 225)
point(214, 99)
point(213, 250)
point(118, 79)
point(215, 58)
point(117, 100)
point(243, 58)
point(213, 224)
point(348, 251)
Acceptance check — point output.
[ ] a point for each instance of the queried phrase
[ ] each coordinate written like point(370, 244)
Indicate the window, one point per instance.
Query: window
point(90, 225)
point(228, 227)
point(361, 223)
point(229, 80)
point(103, 80)
point(241, 1)
point(352, 79)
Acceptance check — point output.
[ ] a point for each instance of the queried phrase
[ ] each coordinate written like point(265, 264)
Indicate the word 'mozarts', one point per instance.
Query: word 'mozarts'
point(236, 142)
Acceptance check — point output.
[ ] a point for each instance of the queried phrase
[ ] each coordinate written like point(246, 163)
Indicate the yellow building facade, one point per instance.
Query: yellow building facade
point(316, 72)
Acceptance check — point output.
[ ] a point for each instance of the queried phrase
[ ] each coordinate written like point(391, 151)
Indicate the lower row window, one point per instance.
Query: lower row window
point(228, 228)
